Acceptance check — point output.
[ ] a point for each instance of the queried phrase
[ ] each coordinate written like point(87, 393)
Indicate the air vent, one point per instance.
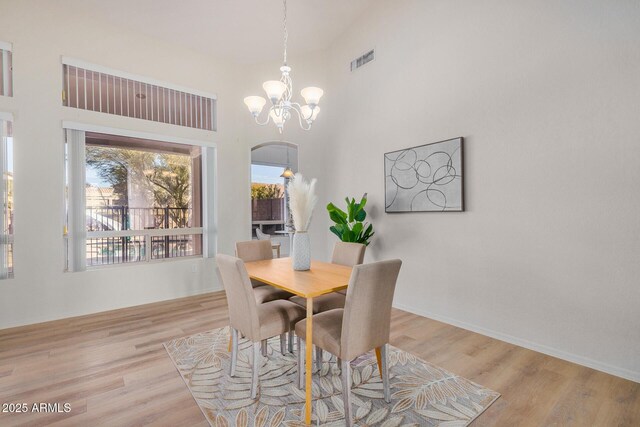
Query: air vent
point(362, 60)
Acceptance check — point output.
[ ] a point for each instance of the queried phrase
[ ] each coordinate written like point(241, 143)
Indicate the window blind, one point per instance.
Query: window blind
point(77, 232)
point(110, 92)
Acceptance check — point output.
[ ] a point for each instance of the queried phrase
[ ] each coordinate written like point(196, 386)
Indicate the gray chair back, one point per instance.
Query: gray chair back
point(367, 312)
point(349, 254)
point(243, 311)
point(254, 250)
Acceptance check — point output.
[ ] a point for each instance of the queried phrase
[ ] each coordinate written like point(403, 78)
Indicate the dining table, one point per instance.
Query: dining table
point(321, 279)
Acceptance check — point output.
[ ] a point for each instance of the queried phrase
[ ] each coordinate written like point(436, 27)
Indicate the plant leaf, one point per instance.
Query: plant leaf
point(363, 201)
point(337, 218)
point(277, 418)
point(377, 416)
point(351, 209)
point(357, 229)
point(261, 417)
point(242, 418)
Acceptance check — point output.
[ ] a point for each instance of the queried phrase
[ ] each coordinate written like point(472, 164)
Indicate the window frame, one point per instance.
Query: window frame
point(209, 201)
point(8, 239)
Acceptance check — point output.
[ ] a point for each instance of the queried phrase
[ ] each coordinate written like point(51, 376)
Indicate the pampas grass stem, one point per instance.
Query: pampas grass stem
point(302, 200)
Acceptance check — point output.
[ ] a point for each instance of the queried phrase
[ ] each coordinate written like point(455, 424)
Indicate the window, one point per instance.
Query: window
point(6, 70)
point(132, 200)
point(6, 211)
point(95, 88)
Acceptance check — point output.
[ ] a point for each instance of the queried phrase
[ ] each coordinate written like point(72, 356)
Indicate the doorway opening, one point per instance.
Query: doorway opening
point(270, 217)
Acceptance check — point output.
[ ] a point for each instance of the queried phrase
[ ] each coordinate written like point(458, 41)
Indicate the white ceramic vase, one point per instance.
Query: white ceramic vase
point(301, 251)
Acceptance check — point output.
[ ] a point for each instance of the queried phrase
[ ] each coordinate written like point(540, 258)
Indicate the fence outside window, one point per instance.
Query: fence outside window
point(121, 234)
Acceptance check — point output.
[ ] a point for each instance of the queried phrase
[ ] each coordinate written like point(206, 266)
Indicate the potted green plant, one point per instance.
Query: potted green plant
point(350, 226)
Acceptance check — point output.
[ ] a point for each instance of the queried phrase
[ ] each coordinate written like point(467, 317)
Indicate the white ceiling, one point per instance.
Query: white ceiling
point(247, 31)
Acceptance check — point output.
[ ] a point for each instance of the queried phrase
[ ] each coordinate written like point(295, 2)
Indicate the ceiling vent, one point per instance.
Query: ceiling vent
point(362, 60)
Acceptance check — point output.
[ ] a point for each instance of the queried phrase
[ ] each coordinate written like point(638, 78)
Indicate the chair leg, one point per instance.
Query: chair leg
point(264, 348)
point(300, 363)
point(379, 360)
point(283, 344)
point(318, 359)
point(234, 351)
point(384, 353)
point(291, 335)
point(345, 367)
point(256, 369)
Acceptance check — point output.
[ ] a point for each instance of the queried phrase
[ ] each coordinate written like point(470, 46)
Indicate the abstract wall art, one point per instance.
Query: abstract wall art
point(427, 178)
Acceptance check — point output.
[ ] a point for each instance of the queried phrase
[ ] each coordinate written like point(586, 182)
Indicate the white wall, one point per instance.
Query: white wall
point(546, 95)
point(41, 34)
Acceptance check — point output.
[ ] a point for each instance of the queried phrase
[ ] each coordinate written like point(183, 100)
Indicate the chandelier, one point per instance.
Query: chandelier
point(279, 93)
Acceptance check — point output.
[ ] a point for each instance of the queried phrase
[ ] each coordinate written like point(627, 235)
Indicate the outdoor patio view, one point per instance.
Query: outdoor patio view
point(6, 216)
point(267, 199)
point(142, 201)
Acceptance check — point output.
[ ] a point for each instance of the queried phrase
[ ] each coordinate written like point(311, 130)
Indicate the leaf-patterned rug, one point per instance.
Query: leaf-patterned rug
point(421, 394)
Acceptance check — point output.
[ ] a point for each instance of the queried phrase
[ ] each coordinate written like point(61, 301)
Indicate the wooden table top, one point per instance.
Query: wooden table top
point(323, 278)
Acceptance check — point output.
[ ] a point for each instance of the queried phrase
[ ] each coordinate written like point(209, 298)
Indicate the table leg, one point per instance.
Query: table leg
point(379, 358)
point(309, 361)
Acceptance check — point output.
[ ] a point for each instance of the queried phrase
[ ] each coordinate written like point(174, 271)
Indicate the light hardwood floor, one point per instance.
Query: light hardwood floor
point(112, 369)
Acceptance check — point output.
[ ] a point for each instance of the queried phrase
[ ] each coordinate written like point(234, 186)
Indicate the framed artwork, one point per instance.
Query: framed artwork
point(427, 178)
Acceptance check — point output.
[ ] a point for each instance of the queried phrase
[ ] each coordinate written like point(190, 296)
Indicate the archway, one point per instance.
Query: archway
point(269, 199)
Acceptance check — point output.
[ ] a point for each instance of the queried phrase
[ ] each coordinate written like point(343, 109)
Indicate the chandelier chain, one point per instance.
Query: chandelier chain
point(286, 34)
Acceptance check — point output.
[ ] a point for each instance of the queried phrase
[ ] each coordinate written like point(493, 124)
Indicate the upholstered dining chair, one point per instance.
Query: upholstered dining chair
point(256, 322)
point(258, 250)
point(344, 253)
point(264, 236)
point(363, 325)
point(349, 254)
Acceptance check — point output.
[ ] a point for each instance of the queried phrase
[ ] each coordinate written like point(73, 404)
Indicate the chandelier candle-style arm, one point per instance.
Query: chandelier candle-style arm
point(279, 92)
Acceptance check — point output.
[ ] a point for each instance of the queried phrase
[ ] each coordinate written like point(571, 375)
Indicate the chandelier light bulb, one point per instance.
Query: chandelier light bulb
point(312, 95)
point(308, 113)
point(274, 89)
point(277, 115)
point(255, 104)
point(288, 173)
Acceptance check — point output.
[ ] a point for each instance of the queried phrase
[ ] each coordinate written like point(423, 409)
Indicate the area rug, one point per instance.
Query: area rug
point(421, 394)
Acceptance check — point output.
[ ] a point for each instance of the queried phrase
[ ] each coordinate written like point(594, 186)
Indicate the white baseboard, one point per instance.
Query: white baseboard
point(69, 314)
point(540, 348)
